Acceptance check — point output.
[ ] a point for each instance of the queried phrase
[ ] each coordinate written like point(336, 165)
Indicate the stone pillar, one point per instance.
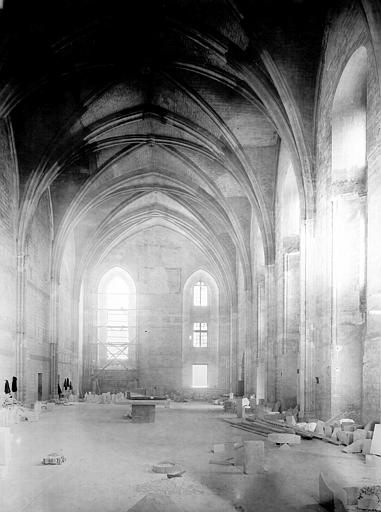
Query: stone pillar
point(307, 301)
point(20, 332)
point(271, 333)
point(53, 335)
point(289, 351)
point(261, 349)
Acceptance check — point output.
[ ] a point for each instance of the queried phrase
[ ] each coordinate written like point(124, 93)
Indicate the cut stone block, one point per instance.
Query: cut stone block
point(253, 460)
point(290, 420)
point(375, 447)
point(284, 438)
point(311, 426)
point(328, 430)
point(359, 434)
point(336, 430)
point(345, 437)
point(366, 443)
point(5, 446)
point(319, 427)
point(355, 447)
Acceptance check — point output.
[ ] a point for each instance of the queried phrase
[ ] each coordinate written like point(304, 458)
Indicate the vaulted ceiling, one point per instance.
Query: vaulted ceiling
point(158, 111)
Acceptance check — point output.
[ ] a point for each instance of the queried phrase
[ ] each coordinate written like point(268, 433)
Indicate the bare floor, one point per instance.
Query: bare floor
point(109, 464)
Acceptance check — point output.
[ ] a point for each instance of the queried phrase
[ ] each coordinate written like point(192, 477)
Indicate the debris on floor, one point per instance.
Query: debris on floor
point(284, 438)
point(369, 498)
point(54, 459)
point(155, 503)
point(164, 467)
point(176, 474)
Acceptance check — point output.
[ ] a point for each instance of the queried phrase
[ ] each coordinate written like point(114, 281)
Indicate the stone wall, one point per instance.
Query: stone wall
point(37, 302)
point(67, 343)
point(339, 359)
point(160, 262)
point(8, 270)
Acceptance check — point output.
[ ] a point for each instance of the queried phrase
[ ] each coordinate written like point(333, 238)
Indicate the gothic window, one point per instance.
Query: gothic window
point(200, 294)
point(200, 334)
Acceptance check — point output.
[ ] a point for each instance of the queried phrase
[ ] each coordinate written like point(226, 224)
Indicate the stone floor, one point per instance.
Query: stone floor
point(109, 463)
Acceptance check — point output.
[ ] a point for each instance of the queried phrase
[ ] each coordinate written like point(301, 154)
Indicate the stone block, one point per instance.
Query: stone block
point(336, 430)
point(345, 437)
point(359, 434)
point(311, 426)
point(366, 446)
point(320, 427)
point(328, 430)
point(355, 447)
point(253, 460)
point(290, 420)
point(284, 438)
point(375, 447)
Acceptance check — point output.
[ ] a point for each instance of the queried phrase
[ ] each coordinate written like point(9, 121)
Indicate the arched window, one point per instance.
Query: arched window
point(200, 294)
point(116, 320)
point(200, 331)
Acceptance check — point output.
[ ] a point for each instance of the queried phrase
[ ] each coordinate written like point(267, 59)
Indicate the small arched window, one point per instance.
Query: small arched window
point(200, 294)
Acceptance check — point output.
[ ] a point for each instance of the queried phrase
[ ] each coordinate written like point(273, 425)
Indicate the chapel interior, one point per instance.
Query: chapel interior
point(190, 211)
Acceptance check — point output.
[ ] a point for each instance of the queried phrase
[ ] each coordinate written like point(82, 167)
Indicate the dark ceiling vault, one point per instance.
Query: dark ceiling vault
point(167, 111)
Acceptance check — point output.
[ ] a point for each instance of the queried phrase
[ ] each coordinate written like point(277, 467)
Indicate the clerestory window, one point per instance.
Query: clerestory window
point(200, 294)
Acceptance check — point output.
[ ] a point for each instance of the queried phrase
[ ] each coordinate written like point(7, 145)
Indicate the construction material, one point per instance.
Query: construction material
point(366, 446)
point(284, 438)
point(54, 459)
point(253, 460)
point(369, 498)
point(359, 434)
point(375, 447)
point(164, 467)
point(176, 474)
point(355, 447)
point(345, 437)
point(264, 427)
